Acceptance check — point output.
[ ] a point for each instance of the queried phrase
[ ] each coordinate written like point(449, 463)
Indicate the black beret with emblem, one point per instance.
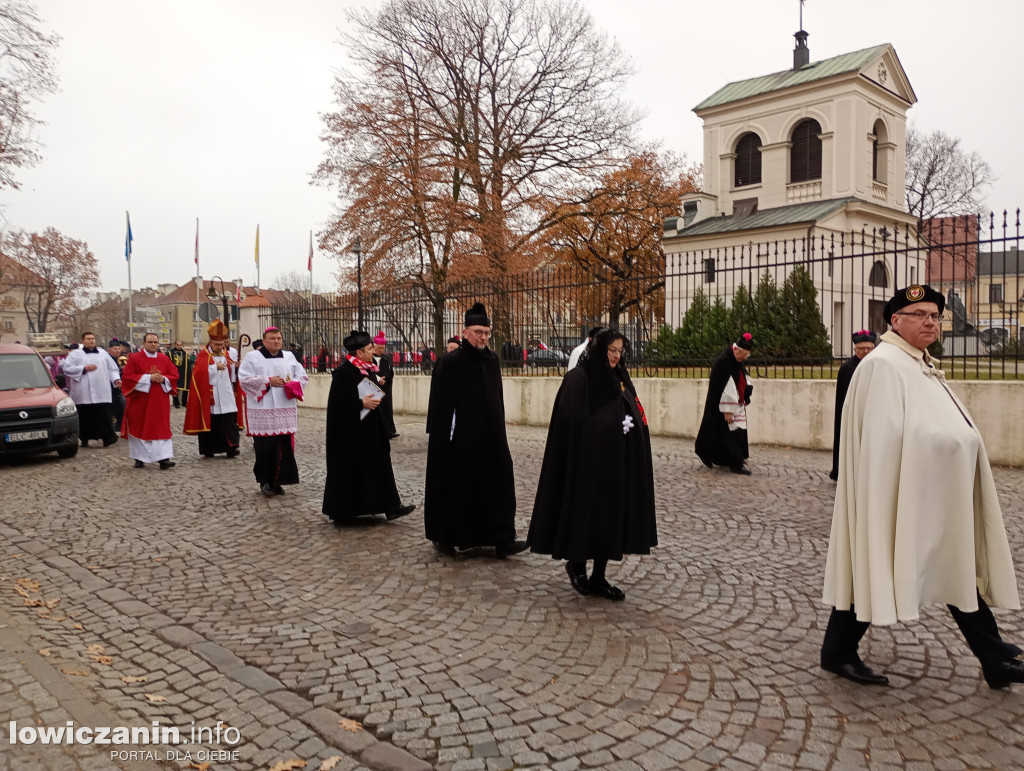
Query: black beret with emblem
point(915, 293)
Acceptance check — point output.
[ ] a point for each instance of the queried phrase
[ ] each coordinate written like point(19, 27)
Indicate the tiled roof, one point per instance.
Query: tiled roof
point(16, 273)
point(826, 68)
point(1001, 263)
point(767, 218)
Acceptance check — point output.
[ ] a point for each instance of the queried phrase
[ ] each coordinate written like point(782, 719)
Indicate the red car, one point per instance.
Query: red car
point(35, 415)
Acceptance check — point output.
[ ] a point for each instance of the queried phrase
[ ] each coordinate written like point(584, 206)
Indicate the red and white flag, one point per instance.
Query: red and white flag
point(310, 266)
point(197, 242)
point(542, 346)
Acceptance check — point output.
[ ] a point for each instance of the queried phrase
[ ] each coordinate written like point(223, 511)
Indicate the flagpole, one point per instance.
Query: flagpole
point(195, 326)
point(257, 258)
point(312, 327)
point(128, 257)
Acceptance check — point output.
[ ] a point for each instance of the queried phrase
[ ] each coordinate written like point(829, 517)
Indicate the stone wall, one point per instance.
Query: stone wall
point(798, 413)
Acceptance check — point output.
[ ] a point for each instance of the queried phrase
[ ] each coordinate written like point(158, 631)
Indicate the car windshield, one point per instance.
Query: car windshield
point(22, 370)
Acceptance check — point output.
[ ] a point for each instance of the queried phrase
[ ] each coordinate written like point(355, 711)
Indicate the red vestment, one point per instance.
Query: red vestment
point(147, 415)
point(200, 394)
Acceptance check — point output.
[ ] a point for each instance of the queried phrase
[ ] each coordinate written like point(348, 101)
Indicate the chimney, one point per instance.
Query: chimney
point(801, 54)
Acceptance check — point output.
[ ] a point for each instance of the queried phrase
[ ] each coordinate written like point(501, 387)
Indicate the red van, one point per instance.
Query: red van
point(35, 415)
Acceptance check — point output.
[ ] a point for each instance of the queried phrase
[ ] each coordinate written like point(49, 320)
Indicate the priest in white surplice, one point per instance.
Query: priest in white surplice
point(273, 382)
point(916, 517)
point(90, 374)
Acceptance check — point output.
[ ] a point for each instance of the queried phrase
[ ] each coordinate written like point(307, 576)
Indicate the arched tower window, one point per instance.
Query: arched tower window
point(805, 153)
point(879, 170)
point(748, 161)
point(879, 276)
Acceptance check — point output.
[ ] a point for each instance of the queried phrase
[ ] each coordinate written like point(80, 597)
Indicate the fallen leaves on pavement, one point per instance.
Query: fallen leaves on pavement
point(350, 725)
point(76, 672)
point(288, 765)
point(154, 697)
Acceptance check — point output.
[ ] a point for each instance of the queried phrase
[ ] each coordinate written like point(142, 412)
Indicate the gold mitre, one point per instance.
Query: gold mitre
point(217, 330)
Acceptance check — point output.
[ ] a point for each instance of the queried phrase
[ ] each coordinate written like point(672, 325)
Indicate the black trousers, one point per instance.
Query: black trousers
point(844, 633)
point(275, 460)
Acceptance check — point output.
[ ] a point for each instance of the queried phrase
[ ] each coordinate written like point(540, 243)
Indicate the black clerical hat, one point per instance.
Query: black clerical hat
point(357, 339)
point(745, 341)
point(864, 336)
point(477, 316)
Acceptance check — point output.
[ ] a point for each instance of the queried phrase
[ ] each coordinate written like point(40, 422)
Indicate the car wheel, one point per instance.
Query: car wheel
point(68, 452)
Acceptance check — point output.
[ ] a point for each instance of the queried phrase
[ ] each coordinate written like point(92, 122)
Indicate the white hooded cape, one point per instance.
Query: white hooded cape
point(916, 518)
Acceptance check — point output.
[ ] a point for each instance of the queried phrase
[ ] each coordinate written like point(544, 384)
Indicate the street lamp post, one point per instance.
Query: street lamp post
point(358, 250)
point(224, 296)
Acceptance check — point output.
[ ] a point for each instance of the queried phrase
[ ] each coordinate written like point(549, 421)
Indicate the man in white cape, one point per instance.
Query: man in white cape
point(273, 382)
point(916, 517)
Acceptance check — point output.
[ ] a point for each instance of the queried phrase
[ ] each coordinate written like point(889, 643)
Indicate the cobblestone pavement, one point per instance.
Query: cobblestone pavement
point(186, 598)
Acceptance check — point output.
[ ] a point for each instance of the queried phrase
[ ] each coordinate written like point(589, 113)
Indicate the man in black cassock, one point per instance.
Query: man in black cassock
point(595, 497)
point(360, 480)
point(863, 343)
point(722, 438)
point(470, 496)
point(385, 374)
point(180, 359)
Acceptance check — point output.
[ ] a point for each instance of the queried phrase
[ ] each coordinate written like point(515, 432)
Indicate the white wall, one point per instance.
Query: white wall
point(798, 413)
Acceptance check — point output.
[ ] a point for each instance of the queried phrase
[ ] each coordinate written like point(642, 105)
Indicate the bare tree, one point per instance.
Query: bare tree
point(295, 281)
point(942, 177)
point(463, 123)
point(66, 272)
point(27, 72)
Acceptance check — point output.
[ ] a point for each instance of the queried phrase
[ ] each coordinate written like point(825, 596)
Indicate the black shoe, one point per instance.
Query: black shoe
point(85, 443)
point(857, 671)
point(108, 442)
point(445, 549)
point(600, 587)
point(706, 463)
point(401, 511)
point(740, 470)
point(834, 476)
point(578, 580)
point(394, 435)
point(233, 452)
point(139, 464)
point(267, 490)
point(167, 463)
point(278, 490)
point(503, 550)
point(1002, 674)
point(207, 454)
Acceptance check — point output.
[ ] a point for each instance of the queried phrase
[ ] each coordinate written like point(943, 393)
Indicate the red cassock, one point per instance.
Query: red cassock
point(200, 394)
point(147, 415)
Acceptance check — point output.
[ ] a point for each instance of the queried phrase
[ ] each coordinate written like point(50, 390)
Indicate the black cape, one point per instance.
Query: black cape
point(842, 386)
point(360, 479)
point(595, 498)
point(470, 495)
point(387, 409)
point(716, 444)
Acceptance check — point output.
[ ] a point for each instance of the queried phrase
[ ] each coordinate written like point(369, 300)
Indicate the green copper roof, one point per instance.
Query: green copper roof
point(837, 65)
point(780, 215)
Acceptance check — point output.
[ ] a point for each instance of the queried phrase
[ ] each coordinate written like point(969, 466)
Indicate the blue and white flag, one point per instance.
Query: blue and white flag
point(128, 239)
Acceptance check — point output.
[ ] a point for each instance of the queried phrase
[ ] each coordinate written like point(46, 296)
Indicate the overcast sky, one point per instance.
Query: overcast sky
point(210, 109)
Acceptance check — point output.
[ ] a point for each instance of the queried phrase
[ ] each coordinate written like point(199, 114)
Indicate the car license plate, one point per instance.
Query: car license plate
point(27, 436)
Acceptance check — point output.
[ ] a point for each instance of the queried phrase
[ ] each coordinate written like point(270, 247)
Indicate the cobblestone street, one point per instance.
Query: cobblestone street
point(185, 597)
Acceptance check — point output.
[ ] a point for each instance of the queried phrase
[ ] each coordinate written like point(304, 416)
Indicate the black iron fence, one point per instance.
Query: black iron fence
point(801, 298)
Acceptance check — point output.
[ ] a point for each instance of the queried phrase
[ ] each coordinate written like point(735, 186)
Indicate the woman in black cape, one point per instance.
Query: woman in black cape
point(595, 497)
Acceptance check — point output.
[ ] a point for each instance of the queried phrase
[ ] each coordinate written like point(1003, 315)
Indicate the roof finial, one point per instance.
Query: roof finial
point(801, 54)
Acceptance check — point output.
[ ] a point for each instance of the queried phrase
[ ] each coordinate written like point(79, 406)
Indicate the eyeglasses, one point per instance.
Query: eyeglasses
point(921, 315)
point(616, 351)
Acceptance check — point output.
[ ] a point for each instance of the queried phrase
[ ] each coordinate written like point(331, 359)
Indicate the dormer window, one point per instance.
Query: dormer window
point(805, 151)
point(748, 161)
